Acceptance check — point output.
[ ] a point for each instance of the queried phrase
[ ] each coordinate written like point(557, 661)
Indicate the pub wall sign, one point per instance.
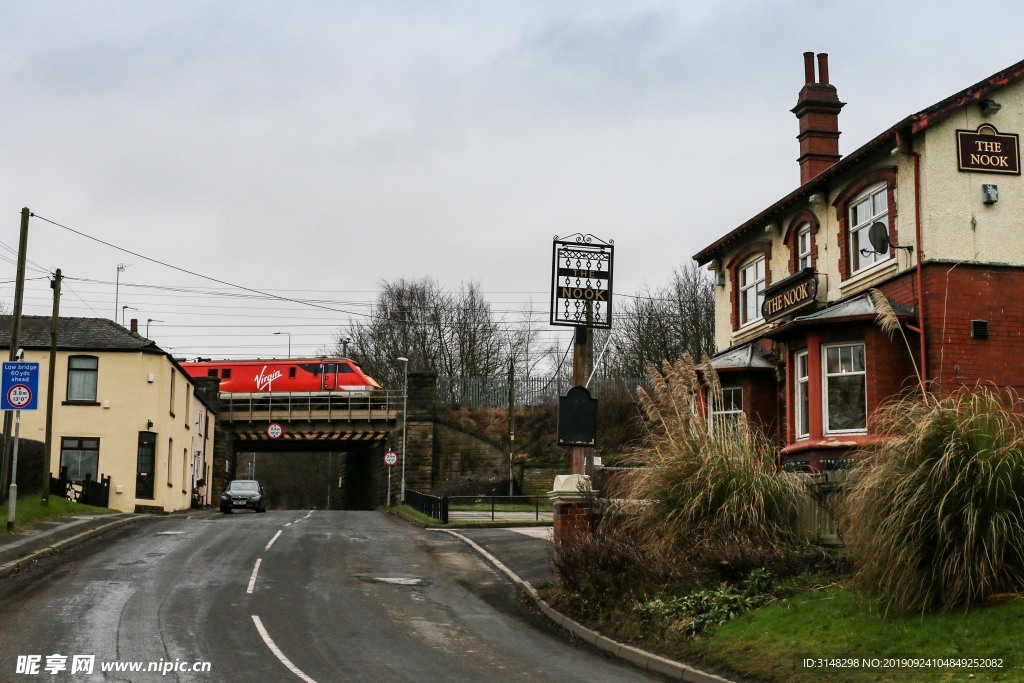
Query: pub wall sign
point(789, 295)
point(986, 150)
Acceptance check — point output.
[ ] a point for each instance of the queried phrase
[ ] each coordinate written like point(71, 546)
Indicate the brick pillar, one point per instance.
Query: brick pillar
point(419, 462)
point(573, 503)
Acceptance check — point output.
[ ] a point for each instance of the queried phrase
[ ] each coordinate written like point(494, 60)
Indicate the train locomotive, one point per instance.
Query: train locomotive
point(294, 375)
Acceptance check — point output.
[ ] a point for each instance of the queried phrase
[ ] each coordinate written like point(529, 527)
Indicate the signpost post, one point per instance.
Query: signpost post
point(18, 391)
point(581, 297)
point(390, 460)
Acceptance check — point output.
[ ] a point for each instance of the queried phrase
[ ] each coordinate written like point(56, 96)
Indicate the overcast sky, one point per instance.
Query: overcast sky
point(316, 149)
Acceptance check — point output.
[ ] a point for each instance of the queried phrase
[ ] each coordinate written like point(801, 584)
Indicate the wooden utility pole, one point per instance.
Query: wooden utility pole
point(19, 296)
point(48, 445)
point(582, 456)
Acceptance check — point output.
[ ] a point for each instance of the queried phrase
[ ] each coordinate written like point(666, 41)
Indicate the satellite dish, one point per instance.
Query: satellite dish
point(878, 235)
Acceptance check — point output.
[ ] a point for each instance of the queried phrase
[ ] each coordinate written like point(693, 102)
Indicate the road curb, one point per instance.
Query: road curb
point(635, 656)
point(13, 565)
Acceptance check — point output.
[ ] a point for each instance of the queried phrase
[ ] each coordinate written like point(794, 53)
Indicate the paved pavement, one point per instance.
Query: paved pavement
point(25, 545)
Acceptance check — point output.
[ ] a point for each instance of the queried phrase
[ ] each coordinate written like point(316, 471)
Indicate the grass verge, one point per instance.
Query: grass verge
point(771, 643)
point(837, 622)
point(30, 510)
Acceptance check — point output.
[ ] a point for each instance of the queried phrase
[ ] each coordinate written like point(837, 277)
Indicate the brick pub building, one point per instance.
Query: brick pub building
point(931, 213)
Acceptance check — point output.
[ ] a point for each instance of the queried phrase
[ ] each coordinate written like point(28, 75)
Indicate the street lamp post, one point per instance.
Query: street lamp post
point(125, 308)
point(148, 321)
point(289, 342)
point(405, 416)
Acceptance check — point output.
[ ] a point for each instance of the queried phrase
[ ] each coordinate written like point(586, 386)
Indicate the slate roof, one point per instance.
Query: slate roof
point(741, 357)
point(859, 307)
point(75, 334)
point(887, 140)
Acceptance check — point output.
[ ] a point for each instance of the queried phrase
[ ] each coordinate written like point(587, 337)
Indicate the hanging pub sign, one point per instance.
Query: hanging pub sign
point(986, 150)
point(793, 293)
point(581, 281)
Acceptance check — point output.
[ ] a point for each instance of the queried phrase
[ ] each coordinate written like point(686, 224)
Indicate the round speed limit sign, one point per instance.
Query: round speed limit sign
point(274, 430)
point(19, 396)
point(391, 458)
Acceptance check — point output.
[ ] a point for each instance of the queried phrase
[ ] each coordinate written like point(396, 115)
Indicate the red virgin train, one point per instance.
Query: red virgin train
point(301, 375)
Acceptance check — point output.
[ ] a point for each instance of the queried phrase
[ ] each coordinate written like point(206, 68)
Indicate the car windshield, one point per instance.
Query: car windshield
point(244, 486)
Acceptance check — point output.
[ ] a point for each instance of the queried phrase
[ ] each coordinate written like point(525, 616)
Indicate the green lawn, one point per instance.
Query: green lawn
point(772, 642)
point(30, 510)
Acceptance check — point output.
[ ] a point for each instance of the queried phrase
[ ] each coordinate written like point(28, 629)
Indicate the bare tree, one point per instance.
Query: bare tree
point(665, 322)
point(450, 333)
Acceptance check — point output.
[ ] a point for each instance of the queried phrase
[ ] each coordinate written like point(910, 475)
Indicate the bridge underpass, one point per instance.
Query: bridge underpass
point(324, 451)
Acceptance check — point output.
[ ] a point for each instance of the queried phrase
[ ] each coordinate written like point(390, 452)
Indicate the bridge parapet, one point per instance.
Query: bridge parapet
point(384, 406)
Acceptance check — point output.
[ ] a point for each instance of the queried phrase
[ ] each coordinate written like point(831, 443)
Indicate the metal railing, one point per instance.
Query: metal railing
point(493, 391)
point(430, 505)
point(506, 505)
point(335, 405)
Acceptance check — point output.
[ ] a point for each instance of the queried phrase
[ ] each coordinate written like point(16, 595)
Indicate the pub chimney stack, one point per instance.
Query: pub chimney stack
point(134, 325)
point(817, 108)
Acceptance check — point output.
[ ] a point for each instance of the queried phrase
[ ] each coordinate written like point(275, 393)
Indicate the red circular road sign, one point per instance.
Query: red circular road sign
point(19, 395)
point(391, 458)
point(274, 430)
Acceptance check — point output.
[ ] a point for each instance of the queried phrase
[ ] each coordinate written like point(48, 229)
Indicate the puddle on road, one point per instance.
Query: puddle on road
point(396, 580)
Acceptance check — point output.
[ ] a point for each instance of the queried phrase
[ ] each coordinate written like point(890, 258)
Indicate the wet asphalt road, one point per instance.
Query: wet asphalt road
point(337, 596)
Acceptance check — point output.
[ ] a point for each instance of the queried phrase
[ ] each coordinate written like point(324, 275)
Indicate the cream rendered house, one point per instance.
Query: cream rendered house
point(123, 409)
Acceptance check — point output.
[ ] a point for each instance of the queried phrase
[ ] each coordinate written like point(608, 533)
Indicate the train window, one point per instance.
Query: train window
point(227, 373)
point(345, 367)
point(211, 373)
point(291, 372)
point(331, 368)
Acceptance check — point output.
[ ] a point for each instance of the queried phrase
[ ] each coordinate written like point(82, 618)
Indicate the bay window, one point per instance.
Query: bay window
point(801, 384)
point(727, 407)
point(845, 388)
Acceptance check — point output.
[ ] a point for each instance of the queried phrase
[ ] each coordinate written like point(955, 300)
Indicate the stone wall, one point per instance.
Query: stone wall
point(461, 458)
point(537, 481)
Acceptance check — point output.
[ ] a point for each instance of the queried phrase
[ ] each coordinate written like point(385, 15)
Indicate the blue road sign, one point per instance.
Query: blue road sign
point(20, 387)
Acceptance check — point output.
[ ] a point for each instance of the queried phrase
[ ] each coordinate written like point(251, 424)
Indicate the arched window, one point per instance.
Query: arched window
point(868, 200)
point(800, 238)
point(750, 275)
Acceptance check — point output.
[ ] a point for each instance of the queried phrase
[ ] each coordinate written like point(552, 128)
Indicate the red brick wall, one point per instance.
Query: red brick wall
point(954, 296)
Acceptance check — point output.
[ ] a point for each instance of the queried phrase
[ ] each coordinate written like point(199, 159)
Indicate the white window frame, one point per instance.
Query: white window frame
point(825, 375)
point(714, 408)
point(83, 381)
point(801, 394)
point(753, 287)
point(861, 262)
point(803, 247)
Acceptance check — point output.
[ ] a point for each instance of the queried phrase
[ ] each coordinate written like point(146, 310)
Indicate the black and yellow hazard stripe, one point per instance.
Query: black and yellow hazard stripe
point(312, 436)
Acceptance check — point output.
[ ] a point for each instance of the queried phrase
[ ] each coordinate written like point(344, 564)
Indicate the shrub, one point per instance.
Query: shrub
point(708, 488)
point(935, 518)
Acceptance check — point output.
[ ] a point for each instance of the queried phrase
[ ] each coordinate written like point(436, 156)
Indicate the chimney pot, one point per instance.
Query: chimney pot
point(823, 68)
point(808, 68)
point(135, 325)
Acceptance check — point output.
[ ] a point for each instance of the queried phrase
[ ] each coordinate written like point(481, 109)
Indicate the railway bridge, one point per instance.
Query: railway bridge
point(346, 435)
